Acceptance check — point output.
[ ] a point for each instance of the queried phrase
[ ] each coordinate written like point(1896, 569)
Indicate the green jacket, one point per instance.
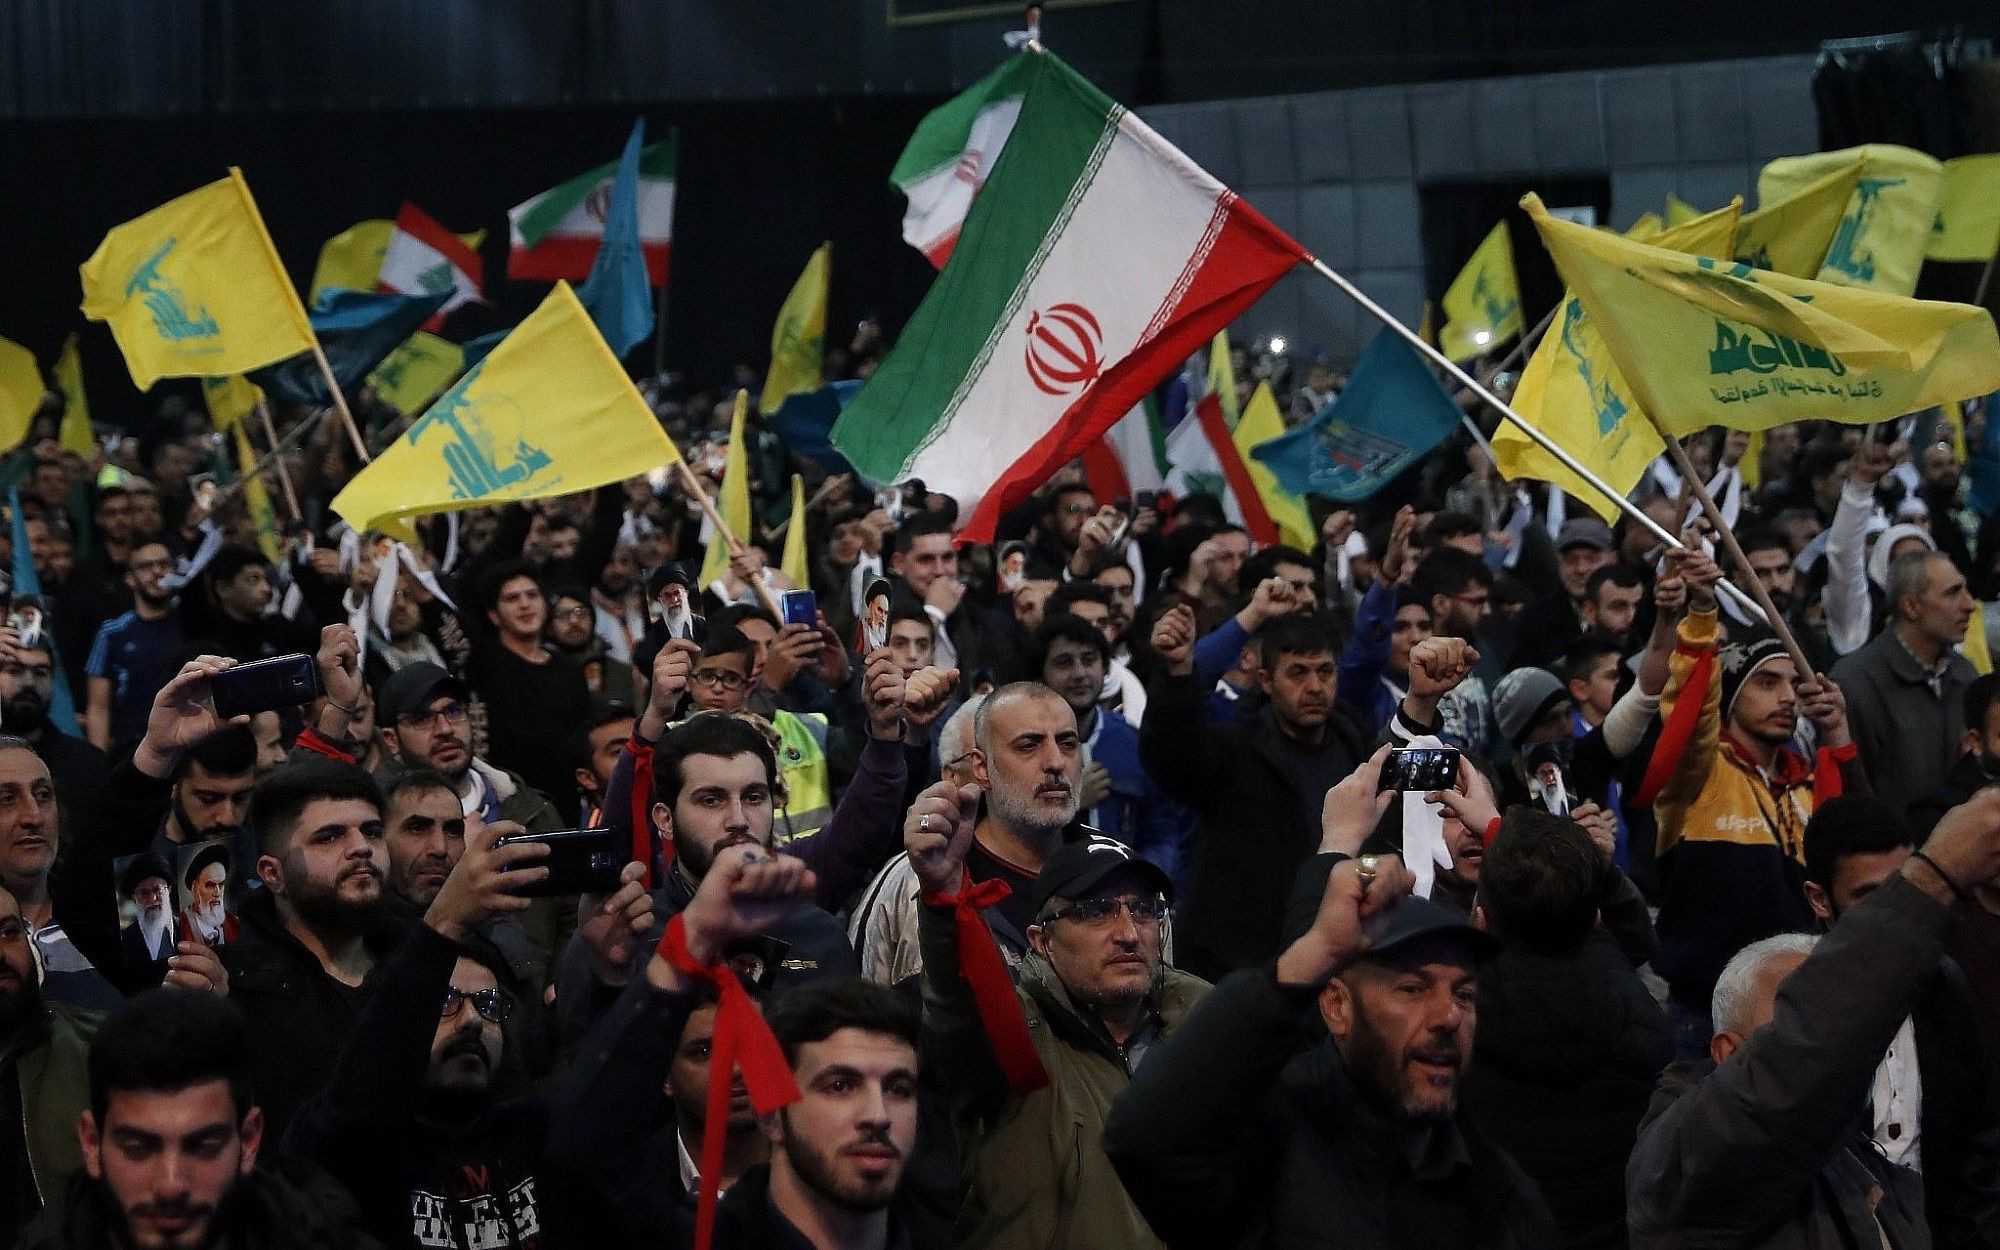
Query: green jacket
point(53, 1068)
point(1034, 1167)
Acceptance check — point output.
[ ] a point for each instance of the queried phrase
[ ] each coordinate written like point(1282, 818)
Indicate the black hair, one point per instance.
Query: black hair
point(1104, 561)
point(1265, 564)
point(281, 798)
point(1753, 536)
point(602, 712)
point(815, 1010)
point(1066, 488)
point(166, 1040)
point(709, 733)
point(1582, 656)
point(1980, 697)
point(1623, 576)
point(736, 613)
point(231, 559)
point(1293, 634)
point(570, 590)
point(729, 640)
point(1850, 824)
point(1071, 592)
point(230, 752)
point(1541, 881)
point(1444, 526)
point(908, 611)
point(1448, 571)
point(499, 575)
point(416, 780)
point(1066, 627)
point(1821, 458)
point(918, 526)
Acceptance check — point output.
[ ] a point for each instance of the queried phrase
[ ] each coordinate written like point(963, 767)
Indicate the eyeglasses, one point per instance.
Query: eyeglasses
point(1096, 913)
point(429, 717)
point(1078, 509)
point(574, 614)
point(492, 1004)
point(150, 566)
point(716, 680)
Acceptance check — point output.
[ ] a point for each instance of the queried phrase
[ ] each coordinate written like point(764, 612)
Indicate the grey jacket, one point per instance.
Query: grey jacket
point(1907, 736)
point(1771, 1149)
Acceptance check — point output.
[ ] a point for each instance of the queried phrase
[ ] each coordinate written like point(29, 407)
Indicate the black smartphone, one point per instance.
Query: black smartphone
point(1420, 768)
point(265, 685)
point(580, 861)
point(799, 607)
point(1148, 499)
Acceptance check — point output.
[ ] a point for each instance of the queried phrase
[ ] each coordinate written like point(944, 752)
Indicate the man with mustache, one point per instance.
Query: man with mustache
point(206, 918)
point(43, 1049)
point(146, 884)
point(27, 684)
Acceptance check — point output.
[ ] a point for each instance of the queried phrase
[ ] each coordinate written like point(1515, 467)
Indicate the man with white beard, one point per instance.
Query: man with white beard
point(206, 918)
point(150, 938)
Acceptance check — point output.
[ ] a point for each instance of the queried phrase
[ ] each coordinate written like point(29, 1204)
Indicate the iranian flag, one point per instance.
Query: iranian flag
point(554, 236)
point(1097, 259)
point(952, 154)
point(1205, 460)
point(1130, 458)
point(424, 258)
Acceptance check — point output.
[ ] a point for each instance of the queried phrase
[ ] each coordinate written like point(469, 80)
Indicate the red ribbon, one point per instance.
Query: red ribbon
point(642, 805)
point(979, 962)
point(742, 1039)
point(1677, 735)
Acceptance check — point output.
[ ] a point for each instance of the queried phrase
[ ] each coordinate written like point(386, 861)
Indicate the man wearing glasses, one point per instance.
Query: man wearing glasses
point(1097, 996)
point(422, 714)
point(133, 655)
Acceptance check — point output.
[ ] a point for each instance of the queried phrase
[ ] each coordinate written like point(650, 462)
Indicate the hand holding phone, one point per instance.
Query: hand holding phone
point(265, 686)
point(1423, 769)
point(579, 861)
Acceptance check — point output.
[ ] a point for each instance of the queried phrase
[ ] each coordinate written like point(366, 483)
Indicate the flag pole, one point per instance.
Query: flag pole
point(660, 339)
point(340, 402)
point(264, 461)
point(722, 531)
point(1501, 406)
point(284, 473)
point(1525, 344)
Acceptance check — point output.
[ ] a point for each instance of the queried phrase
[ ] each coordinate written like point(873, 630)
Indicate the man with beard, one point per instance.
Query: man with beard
point(133, 656)
point(315, 931)
point(43, 1089)
point(206, 918)
point(172, 1146)
point(594, 751)
point(1976, 762)
point(27, 683)
point(146, 883)
point(1459, 589)
point(619, 604)
point(232, 616)
point(1610, 606)
point(571, 636)
point(1230, 1136)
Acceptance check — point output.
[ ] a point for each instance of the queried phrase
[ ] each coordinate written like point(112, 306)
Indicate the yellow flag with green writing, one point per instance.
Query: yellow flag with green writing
point(1704, 342)
point(1572, 391)
point(1482, 306)
point(257, 498)
point(1262, 423)
point(21, 392)
point(194, 288)
point(1792, 235)
point(798, 339)
point(1968, 217)
point(76, 434)
point(414, 373)
point(550, 412)
point(1222, 378)
point(734, 505)
point(1879, 244)
point(229, 400)
point(795, 565)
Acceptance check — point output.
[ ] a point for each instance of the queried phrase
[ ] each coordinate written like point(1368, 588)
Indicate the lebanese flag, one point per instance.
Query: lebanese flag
point(1205, 459)
point(952, 154)
point(1097, 259)
point(554, 236)
point(1128, 459)
point(424, 258)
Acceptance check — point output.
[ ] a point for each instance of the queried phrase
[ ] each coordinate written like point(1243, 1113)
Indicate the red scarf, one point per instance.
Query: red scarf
point(979, 962)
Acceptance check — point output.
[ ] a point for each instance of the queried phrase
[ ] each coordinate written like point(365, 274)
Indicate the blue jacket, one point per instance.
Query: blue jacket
point(1137, 813)
point(1364, 657)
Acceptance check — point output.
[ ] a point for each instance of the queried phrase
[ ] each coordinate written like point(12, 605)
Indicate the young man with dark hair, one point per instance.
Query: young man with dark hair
point(43, 1046)
point(27, 687)
point(572, 636)
point(970, 634)
point(133, 656)
point(1977, 763)
point(912, 638)
point(1459, 589)
point(721, 682)
point(1610, 607)
point(231, 614)
point(594, 751)
point(526, 687)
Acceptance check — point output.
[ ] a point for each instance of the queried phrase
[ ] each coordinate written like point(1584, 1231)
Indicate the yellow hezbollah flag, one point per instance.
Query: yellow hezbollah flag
point(1792, 235)
point(798, 339)
point(21, 392)
point(1572, 391)
point(1647, 227)
point(1222, 378)
point(1968, 217)
point(1680, 212)
point(1482, 307)
point(1880, 243)
point(1427, 328)
point(550, 412)
point(194, 288)
point(414, 373)
point(735, 502)
point(794, 566)
point(76, 434)
point(1260, 424)
point(257, 499)
point(1975, 648)
point(229, 400)
point(1705, 342)
point(352, 259)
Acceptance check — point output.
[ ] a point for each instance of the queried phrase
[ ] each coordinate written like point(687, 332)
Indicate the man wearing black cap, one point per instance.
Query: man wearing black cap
point(1096, 996)
point(1231, 1136)
point(1552, 623)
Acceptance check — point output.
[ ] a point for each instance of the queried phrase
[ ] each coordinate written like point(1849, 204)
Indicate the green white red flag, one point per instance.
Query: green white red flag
point(1096, 260)
point(952, 154)
point(554, 236)
point(423, 258)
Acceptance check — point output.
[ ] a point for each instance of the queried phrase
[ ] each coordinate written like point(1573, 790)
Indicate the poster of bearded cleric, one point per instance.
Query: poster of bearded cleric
point(202, 879)
point(145, 909)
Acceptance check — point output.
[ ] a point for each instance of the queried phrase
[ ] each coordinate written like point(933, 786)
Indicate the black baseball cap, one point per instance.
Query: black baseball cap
point(409, 688)
point(1413, 918)
point(1077, 867)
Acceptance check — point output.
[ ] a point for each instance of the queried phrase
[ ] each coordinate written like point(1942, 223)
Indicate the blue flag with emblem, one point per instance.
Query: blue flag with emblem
point(617, 293)
point(28, 584)
point(358, 330)
point(1389, 417)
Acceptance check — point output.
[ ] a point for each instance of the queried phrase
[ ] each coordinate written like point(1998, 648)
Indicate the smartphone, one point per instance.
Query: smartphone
point(266, 685)
point(1149, 499)
point(1421, 768)
point(580, 861)
point(799, 607)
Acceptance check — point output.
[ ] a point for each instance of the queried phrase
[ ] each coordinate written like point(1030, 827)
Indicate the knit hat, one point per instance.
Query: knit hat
point(1739, 660)
point(1523, 697)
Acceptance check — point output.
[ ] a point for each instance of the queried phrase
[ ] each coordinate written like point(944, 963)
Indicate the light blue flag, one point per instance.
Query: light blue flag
point(617, 294)
point(62, 708)
point(1389, 417)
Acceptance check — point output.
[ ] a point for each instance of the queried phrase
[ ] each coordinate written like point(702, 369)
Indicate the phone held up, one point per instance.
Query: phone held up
point(1420, 768)
point(580, 861)
point(799, 607)
point(265, 685)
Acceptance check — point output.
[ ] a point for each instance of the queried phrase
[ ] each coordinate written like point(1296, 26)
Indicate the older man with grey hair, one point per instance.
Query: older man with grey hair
point(1766, 1143)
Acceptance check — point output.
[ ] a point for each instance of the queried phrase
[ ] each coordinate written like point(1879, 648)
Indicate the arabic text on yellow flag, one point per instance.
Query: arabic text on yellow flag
point(1792, 235)
point(1967, 226)
point(1482, 307)
point(194, 288)
point(550, 412)
point(1222, 378)
point(798, 338)
point(1704, 342)
point(76, 434)
point(795, 566)
point(21, 392)
point(414, 373)
point(1572, 391)
point(1260, 424)
point(1880, 242)
point(257, 498)
point(734, 505)
point(229, 400)
point(1680, 212)
point(352, 259)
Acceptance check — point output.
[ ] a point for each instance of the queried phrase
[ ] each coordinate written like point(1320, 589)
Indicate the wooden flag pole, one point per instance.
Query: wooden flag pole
point(707, 505)
point(1506, 410)
point(284, 473)
point(340, 403)
point(264, 461)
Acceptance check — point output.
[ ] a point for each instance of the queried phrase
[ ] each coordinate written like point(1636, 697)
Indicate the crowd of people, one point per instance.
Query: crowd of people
point(1085, 888)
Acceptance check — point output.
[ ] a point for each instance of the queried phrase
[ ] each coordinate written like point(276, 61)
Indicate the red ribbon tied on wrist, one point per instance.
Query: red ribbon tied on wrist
point(642, 806)
point(980, 963)
point(741, 1039)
